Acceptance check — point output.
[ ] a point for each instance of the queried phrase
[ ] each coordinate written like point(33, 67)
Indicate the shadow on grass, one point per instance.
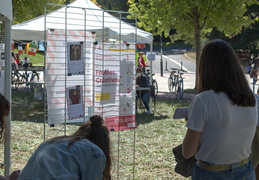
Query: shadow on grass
point(25, 108)
point(165, 107)
point(143, 118)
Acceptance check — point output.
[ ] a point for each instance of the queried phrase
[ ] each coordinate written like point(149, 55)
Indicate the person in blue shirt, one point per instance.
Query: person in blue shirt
point(142, 81)
point(81, 156)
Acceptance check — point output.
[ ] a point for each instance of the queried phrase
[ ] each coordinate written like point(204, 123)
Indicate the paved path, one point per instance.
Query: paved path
point(189, 81)
point(173, 61)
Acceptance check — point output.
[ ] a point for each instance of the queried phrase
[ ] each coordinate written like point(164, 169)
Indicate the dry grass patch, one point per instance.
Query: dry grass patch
point(156, 135)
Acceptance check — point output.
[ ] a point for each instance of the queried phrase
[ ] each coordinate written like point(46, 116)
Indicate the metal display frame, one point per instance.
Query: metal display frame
point(123, 142)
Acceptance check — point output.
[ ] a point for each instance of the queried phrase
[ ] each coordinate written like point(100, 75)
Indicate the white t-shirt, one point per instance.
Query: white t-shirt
point(227, 129)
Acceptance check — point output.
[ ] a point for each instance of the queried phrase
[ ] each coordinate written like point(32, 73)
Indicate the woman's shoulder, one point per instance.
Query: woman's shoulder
point(84, 143)
point(83, 146)
point(206, 93)
point(80, 146)
point(210, 94)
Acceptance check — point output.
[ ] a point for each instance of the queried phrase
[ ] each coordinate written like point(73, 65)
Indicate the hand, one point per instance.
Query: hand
point(137, 86)
point(14, 175)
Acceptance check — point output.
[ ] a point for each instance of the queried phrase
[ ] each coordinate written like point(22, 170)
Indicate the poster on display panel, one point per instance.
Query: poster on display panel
point(114, 85)
point(67, 73)
point(83, 79)
point(75, 58)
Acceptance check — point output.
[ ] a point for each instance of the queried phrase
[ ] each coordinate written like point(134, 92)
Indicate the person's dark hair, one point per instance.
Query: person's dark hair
point(95, 131)
point(221, 71)
point(4, 111)
point(138, 70)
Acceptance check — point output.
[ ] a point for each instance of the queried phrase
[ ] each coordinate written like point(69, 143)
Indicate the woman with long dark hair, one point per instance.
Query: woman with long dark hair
point(81, 156)
point(4, 111)
point(222, 117)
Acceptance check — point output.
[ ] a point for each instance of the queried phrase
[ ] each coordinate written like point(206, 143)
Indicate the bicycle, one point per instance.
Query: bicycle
point(30, 77)
point(253, 75)
point(16, 81)
point(154, 82)
point(19, 79)
point(172, 80)
point(175, 82)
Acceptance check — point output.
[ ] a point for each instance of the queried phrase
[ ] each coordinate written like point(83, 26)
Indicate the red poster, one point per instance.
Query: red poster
point(121, 123)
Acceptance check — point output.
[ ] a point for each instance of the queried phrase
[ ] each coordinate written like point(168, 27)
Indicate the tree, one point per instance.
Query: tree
point(192, 19)
point(24, 10)
point(247, 40)
point(117, 5)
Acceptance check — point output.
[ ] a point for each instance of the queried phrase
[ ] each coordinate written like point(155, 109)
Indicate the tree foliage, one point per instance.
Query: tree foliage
point(27, 9)
point(248, 39)
point(117, 5)
point(192, 19)
point(24, 10)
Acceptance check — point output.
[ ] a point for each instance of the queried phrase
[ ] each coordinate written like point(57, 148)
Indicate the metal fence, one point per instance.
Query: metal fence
point(75, 27)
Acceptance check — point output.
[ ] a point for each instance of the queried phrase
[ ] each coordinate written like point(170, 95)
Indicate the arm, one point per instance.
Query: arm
point(13, 176)
point(191, 143)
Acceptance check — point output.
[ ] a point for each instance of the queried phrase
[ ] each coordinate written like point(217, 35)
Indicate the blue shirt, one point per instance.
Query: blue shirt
point(55, 161)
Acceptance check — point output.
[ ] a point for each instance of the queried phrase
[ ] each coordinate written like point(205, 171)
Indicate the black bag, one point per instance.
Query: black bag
point(183, 166)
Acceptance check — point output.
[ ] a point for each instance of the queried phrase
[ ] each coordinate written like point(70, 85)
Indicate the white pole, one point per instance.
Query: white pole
point(151, 76)
point(7, 94)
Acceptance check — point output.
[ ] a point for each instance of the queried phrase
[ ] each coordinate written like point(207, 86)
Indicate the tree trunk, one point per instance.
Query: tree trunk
point(197, 39)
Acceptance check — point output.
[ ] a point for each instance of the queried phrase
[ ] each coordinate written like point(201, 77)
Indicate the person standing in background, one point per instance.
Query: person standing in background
point(14, 64)
point(222, 117)
point(141, 62)
point(17, 58)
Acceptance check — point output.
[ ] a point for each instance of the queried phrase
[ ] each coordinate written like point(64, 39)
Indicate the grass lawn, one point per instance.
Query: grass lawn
point(156, 135)
point(37, 60)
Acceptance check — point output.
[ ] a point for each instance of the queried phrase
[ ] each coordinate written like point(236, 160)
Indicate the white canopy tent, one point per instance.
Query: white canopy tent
point(97, 20)
point(6, 16)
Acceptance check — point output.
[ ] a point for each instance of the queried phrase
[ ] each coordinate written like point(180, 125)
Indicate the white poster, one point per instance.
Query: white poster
point(60, 110)
point(75, 102)
point(75, 58)
point(83, 79)
point(127, 79)
point(114, 85)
